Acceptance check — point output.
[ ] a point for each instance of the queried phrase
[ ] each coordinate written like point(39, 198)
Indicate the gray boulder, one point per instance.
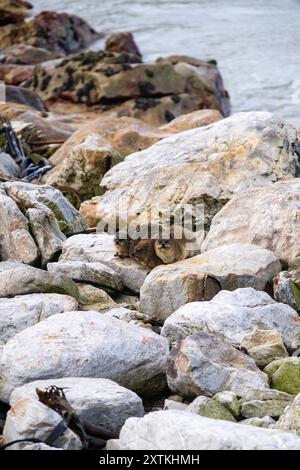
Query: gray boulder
point(268, 217)
point(260, 403)
point(201, 277)
point(179, 430)
point(94, 272)
point(204, 364)
point(23, 311)
point(26, 279)
point(232, 315)
point(99, 402)
point(85, 344)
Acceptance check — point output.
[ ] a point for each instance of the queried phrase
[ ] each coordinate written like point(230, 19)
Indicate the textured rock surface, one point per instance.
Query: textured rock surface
point(19, 313)
point(100, 402)
point(284, 374)
point(264, 346)
point(230, 401)
point(93, 298)
point(203, 364)
point(100, 247)
point(267, 217)
point(13, 11)
point(286, 288)
point(290, 420)
point(232, 315)
point(85, 344)
point(205, 166)
point(90, 152)
point(122, 42)
point(23, 279)
point(57, 32)
point(34, 222)
point(178, 430)
point(200, 118)
point(228, 267)
point(93, 272)
point(16, 241)
point(210, 408)
point(8, 166)
point(260, 403)
point(29, 418)
point(24, 54)
point(265, 422)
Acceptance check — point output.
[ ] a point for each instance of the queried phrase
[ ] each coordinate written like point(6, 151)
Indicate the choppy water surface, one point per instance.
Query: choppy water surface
point(255, 42)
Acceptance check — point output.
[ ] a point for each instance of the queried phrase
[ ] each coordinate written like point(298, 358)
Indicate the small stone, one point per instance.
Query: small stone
point(265, 422)
point(175, 405)
point(210, 408)
point(230, 401)
point(284, 374)
point(264, 346)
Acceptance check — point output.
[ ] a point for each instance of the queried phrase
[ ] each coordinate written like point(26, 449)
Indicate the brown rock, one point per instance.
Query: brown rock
point(13, 74)
point(23, 54)
point(122, 42)
point(200, 118)
point(91, 151)
point(57, 32)
point(13, 11)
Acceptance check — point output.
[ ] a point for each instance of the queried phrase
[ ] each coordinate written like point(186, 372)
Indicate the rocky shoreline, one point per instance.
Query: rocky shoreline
point(156, 346)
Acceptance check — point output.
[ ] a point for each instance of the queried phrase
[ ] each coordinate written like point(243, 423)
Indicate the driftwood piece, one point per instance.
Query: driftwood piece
point(91, 436)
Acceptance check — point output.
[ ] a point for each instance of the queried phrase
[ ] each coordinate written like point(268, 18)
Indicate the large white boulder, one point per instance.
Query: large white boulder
point(208, 165)
point(180, 430)
point(85, 344)
point(200, 278)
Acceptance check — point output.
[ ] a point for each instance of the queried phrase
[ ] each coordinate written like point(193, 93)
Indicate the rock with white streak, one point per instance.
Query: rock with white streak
point(93, 272)
point(232, 315)
point(99, 402)
point(204, 364)
point(100, 247)
point(23, 311)
point(268, 217)
point(208, 165)
point(264, 346)
point(179, 430)
point(201, 277)
point(85, 344)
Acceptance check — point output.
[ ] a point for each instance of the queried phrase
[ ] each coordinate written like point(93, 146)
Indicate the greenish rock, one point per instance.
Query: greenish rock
point(261, 403)
point(265, 422)
point(230, 401)
point(210, 408)
point(284, 374)
point(93, 298)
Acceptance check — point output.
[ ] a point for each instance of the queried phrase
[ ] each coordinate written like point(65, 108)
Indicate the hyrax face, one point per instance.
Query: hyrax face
point(169, 251)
